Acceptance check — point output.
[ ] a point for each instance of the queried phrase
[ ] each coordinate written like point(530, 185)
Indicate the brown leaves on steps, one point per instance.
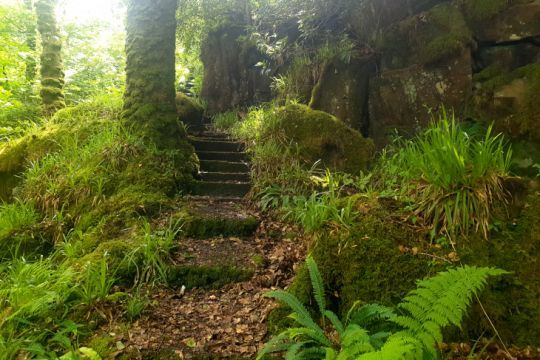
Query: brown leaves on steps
point(228, 322)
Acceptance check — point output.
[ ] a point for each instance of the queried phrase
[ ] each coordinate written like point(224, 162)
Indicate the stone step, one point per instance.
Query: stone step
point(205, 144)
point(225, 177)
point(205, 218)
point(223, 156)
point(214, 135)
point(206, 277)
point(224, 189)
point(224, 166)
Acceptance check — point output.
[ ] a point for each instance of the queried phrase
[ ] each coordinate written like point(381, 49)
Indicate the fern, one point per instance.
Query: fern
point(317, 283)
point(441, 301)
point(366, 333)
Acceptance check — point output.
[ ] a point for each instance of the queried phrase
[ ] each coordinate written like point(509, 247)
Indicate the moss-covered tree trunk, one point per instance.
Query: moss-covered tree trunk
point(149, 99)
point(52, 76)
point(31, 63)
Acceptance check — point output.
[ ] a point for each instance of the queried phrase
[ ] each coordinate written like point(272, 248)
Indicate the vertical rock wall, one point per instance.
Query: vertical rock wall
point(480, 58)
point(231, 77)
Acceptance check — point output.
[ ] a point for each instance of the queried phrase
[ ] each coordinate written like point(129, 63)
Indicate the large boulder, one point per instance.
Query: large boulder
point(426, 38)
point(367, 18)
point(510, 99)
point(231, 77)
point(495, 21)
point(400, 99)
point(343, 91)
point(322, 137)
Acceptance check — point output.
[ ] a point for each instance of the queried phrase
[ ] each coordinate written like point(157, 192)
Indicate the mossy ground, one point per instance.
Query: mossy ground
point(380, 259)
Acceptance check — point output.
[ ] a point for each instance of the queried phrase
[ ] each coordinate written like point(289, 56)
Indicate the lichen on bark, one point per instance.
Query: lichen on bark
point(149, 99)
point(52, 76)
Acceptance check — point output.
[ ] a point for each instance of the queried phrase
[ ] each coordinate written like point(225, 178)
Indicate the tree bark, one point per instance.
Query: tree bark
point(52, 76)
point(149, 98)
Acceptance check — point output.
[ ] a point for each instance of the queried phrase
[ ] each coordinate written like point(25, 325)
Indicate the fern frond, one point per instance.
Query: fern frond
point(330, 354)
point(309, 333)
point(338, 325)
point(355, 341)
point(313, 353)
point(399, 346)
point(278, 343)
point(370, 313)
point(441, 301)
point(294, 349)
point(317, 283)
point(300, 313)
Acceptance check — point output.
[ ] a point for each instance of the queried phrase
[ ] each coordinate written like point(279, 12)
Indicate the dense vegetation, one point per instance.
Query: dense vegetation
point(402, 221)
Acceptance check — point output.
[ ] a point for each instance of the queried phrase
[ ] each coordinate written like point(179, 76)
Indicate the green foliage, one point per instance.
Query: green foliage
point(225, 121)
point(96, 282)
point(377, 332)
point(135, 306)
point(15, 217)
point(451, 177)
point(94, 66)
point(17, 93)
point(151, 255)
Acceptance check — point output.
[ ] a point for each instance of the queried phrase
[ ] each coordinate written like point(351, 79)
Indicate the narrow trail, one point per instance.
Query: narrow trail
point(230, 258)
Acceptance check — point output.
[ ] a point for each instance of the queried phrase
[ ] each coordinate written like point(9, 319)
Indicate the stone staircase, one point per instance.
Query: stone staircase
point(224, 171)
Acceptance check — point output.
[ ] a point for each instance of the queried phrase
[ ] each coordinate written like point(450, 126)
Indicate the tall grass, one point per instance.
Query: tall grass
point(452, 178)
point(225, 121)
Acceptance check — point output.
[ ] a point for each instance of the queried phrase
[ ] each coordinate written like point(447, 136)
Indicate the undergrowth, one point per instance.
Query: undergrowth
point(81, 226)
point(413, 330)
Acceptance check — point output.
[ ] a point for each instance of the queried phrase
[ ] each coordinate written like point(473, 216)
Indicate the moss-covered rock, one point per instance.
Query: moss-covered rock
point(502, 20)
point(321, 136)
point(426, 38)
point(380, 259)
point(189, 111)
point(510, 100)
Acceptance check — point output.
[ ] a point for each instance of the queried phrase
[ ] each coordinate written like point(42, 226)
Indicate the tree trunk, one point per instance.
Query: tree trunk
point(30, 41)
point(149, 99)
point(52, 76)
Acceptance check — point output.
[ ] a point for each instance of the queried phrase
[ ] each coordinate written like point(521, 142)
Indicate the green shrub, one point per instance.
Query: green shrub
point(378, 332)
point(451, 178)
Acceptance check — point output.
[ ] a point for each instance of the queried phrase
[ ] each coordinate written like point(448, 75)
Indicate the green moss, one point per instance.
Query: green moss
point(428, 38)
point(321, 136)
point(104, 345)
point(189, 111)
point(451, 34)
point(368, 265)
point(207, 276)
point(200, 225)
point(479, 10)
point(116, 252)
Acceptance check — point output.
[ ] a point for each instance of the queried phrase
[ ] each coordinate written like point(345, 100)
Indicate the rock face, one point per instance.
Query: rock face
point(518, 22)
point(416, 55)
point(343, 91)
point(401, 99)
point(232, 78)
